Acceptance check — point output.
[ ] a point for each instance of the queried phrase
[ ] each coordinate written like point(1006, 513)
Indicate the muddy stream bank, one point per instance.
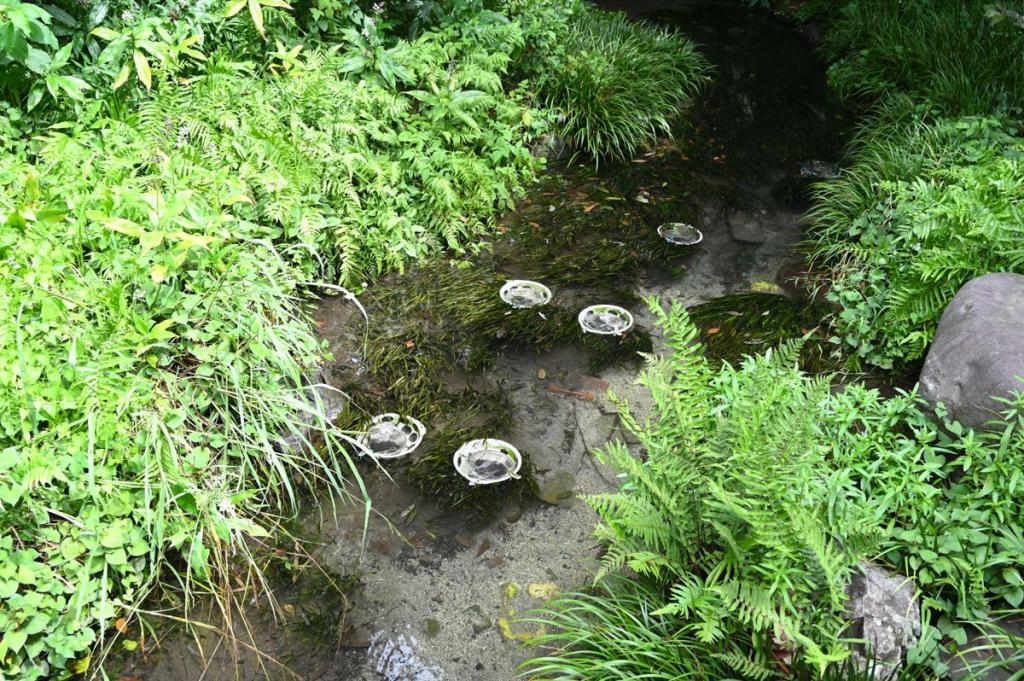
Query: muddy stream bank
point(432, 589)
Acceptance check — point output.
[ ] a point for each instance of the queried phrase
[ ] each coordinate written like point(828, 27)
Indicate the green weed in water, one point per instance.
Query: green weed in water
point(435, 476)
point(735, 326)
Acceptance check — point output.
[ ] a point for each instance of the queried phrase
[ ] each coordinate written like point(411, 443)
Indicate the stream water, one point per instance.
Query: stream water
point(433, 593)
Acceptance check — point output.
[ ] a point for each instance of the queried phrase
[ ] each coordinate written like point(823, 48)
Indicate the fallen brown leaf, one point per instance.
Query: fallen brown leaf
point(582, 394)
point(595, 383)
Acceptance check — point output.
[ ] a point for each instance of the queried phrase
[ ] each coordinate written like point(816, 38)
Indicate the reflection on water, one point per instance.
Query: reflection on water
point(395, 658)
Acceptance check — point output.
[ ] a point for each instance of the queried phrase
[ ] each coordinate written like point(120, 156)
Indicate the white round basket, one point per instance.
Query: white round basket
point(523, 293)
point(487, 461)
point(680, 234)
point(392, 436)
point(606, 320)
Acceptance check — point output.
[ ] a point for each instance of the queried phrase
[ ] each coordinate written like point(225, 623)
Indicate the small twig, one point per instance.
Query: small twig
point(582, 394)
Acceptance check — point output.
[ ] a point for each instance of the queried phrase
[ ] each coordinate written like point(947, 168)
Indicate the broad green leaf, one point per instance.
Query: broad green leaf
point(122, 76)
point(34, 96)
point(234, 8)
point(142, 69)
point(158, 273)
point(104, 33)
point(150, 240)
point(37, 60)
point(256, 12)
point(112, 537)
point(14, 640)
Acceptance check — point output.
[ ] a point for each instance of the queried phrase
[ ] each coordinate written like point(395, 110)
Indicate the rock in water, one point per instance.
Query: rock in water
point(745, 227)
point(978, 351)
point(885, 614)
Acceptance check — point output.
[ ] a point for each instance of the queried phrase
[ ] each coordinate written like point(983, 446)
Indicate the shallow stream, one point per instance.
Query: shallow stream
point(437, 579)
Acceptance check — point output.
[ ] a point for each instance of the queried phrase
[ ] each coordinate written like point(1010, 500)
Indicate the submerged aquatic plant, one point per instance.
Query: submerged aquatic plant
point(741, 324)
point(435, 476)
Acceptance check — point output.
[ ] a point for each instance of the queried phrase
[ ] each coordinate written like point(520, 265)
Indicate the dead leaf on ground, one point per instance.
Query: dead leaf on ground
point(121, 624)
point(587, 209)
point(596, 383)
point(713, 330)
point(582, 394)
point(484, 545)
point(410, 344)
point(543, 591)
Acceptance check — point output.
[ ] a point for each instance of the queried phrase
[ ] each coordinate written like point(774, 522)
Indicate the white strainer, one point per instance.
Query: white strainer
point(523, 293)
point(392, 436)
point(680, 234)
point(487, 461)
point(606, 320)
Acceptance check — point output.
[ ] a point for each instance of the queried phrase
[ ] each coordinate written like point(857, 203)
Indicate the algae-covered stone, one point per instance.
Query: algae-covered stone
point(430, 627)
point(885, 615)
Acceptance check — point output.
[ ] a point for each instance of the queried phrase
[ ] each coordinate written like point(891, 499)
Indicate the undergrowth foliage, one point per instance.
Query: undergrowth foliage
point(158, 357)
point(757, 493)
point(925, 206)
point(615, 84)
point(177, 179)
point(366, 177)
point(950, 53)
point(735, 506)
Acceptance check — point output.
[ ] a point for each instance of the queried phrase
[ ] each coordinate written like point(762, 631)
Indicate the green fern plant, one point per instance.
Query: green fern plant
point(735, 507)
point(924, 207)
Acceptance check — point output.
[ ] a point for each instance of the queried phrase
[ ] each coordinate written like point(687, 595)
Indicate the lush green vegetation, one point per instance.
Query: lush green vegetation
point(930, 197)
point(177, 181)
point(761, 492)
point(925, 206)
point(760, 489)
point(615, 85)
point(949, 53)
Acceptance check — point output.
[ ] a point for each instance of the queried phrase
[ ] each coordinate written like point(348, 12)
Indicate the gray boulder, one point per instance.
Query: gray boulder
point(978, 351)
point(885, 615)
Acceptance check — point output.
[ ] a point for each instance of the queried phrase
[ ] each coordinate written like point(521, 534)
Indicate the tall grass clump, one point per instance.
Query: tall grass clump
point(614, 633)
point(950, 53)
point(924, 206)
point(613, 85)
point(155, 364)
